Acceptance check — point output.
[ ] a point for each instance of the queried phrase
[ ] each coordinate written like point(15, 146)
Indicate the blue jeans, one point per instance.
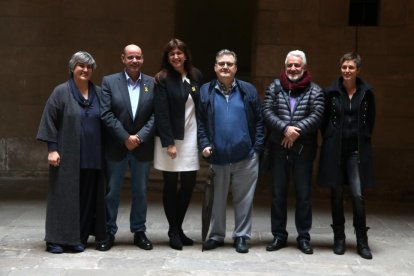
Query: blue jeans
point(301, 172)
point(139, 179)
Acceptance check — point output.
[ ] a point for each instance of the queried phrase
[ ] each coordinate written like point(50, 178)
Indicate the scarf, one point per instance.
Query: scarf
point(85, 103)
point(295, 87)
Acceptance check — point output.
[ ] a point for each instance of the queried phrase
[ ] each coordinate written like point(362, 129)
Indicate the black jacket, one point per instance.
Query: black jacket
point(170, 97)
point(116, 114)
point(307, 116)
point(330, 158)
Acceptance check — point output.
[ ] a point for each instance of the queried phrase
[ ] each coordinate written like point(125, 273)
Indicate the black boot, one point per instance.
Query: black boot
point(362, 243)
point(339, 239)
point(175, 241)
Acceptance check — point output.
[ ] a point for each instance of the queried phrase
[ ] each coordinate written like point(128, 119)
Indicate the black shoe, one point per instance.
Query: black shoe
point(212, 244)
point(364, 251)
point(54, 248)
point(175, 241)
point(141, 240)
point(77, 248)
point(276, 244)
point(362, 243)
point(106, 244)
point(339, 247)
point(305, 247)
point(240, 245)
point(184, 239)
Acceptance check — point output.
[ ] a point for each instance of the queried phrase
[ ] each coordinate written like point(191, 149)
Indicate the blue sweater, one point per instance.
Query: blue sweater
point(233, 128)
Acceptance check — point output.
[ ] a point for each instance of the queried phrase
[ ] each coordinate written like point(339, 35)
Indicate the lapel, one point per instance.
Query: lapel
point(143, 94)
point(123, 89)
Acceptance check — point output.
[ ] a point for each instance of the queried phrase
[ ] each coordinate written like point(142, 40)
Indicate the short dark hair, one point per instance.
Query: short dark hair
point(354, 56)
point(226, 52)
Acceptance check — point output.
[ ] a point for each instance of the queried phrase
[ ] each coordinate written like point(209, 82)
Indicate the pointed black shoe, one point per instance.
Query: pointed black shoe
point(107, 244)
point(212, 244)
point(276, 244)
point(175, 241)
point(305, 247)
point(141, 240)
point(184, 239)
point(362, 243)
point(339, 247)
point(241, 245)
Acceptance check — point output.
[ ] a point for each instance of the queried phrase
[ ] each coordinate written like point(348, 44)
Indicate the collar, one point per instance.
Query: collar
point(128, 78)
point(219, 86)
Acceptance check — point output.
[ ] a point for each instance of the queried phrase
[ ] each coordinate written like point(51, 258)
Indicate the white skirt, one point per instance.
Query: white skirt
point(187, 158)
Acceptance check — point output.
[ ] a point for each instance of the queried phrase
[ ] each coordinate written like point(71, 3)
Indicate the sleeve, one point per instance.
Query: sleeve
point(148, 129)
point(110, 121)
point(259, 139)
point(49, 123)
point(162, 113)
point(270, 105)
point(202, 119)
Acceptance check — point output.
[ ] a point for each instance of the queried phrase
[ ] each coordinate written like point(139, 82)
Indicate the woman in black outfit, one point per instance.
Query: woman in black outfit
point(176, 153)
point(346, 153)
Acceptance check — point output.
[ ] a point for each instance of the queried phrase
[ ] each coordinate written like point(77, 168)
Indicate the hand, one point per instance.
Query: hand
point(207, 151)
point(172, 151)
point(53, 159)
point(132, 142)
point(286, 143)
point(292, 133)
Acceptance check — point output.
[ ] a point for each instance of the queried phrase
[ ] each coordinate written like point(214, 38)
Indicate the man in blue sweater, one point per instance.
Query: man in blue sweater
point(231, 136)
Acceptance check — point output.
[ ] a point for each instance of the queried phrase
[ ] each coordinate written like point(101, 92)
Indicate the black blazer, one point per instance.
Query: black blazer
point(116, 114)
point(170, 97)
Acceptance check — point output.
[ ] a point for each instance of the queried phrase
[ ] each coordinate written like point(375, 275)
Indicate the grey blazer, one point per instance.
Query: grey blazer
point(116, 114)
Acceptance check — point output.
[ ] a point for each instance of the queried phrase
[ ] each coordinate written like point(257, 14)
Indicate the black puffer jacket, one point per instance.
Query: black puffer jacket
point(307, 115)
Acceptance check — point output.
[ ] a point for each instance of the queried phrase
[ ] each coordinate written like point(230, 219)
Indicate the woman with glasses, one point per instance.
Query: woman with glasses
point(346, 153)
point(176, 153)
point(71, 127)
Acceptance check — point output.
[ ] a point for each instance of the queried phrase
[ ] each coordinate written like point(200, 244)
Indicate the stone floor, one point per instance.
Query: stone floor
point(22, 250)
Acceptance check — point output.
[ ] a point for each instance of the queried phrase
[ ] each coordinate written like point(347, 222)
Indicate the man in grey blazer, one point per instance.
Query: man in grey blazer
point(127, 112)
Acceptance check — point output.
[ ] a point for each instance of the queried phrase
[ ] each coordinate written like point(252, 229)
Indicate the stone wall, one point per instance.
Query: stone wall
point(38, 38)
point(320, 28)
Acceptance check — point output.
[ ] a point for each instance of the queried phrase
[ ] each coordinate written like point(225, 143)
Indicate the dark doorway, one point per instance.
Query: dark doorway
point(209, 26)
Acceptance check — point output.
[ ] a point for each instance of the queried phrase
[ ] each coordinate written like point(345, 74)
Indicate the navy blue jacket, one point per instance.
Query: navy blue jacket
point(206, 118)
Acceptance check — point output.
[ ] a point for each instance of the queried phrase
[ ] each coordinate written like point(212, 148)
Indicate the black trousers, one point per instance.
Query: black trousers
point(92, 205)
point(350, 170)
point(285, 167)
point(176, 199)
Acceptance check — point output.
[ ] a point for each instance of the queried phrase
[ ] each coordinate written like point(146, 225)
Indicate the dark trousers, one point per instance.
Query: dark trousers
point(350, 169)
point(301, 172)
point(91, 205)
point(176, 199)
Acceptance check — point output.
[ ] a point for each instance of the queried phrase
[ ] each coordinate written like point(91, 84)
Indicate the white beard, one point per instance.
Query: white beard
point(294, 78)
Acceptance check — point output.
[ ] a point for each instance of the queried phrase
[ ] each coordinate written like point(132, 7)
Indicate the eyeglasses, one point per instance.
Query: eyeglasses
point(223, 63)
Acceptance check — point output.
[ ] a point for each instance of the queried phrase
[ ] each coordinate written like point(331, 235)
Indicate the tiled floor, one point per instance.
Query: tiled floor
point(22, 250)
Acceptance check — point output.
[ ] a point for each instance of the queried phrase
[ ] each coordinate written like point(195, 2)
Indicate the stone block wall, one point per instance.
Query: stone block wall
point(320, 28)
point(39, 37)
